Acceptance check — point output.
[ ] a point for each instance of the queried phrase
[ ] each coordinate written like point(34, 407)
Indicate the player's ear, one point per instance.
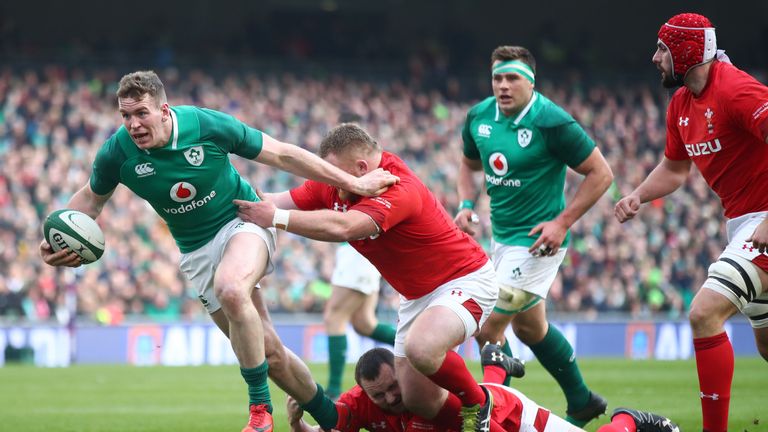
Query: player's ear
point(165, 111)
point(362, 166)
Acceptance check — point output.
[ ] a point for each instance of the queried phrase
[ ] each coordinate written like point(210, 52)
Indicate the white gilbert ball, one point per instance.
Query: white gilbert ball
point(74, 230)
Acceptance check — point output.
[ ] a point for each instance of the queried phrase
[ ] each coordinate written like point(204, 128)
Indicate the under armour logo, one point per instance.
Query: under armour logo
point(382, 424)
point(456, 292)
point(683, 121)
point(747, 246)
point(342, 208)
point(713, 396)
point(497, 357)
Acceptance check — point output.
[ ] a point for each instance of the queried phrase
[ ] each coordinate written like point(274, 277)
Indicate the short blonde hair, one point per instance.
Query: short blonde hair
point(347, 136)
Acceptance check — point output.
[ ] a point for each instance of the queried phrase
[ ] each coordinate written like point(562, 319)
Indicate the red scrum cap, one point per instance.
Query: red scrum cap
point(690, 38)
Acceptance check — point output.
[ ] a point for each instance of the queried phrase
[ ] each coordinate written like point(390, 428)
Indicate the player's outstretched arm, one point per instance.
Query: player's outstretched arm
point(466, 219)
point(666, 178)
point(282, 200)
point(323, 225)
point(296, 160)
point(87, 201)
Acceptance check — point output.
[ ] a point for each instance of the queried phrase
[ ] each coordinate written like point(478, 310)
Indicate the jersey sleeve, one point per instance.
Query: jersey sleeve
point(309, 196)
point(393, 206)
point(470, 147)
point(675, 148)
point(105, 175)
point(352, 412)
point(570, 143)
point(747, 104)
point(230, 133)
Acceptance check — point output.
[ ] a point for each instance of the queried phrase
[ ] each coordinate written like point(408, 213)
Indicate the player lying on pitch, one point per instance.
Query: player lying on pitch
point(376, 404)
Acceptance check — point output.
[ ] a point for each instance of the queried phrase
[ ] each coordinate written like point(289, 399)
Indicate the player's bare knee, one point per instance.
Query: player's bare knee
point(334, 313)
point(703, 321)
point(233, 300)
point(363, 328)
point(329, 318)
point(422, 357)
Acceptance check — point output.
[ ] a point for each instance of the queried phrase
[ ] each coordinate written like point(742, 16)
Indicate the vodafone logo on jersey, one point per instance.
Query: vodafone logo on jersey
point(498, 163)
point(183, 192)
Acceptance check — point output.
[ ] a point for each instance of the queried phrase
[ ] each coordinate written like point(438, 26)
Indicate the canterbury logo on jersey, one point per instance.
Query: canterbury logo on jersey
point(704, 148)
point(144, 170)
point(484, 130)
point(191, 205)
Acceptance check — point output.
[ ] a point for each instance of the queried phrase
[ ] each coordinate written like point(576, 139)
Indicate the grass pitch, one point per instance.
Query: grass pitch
point(209, 399)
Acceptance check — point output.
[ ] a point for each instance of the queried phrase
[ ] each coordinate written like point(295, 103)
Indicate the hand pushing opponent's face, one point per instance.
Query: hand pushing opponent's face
point(351, 162)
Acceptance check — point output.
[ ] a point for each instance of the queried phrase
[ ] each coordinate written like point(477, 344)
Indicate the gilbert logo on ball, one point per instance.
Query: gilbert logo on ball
point(71, 229)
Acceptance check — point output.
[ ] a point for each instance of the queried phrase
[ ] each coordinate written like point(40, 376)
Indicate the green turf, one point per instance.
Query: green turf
point(121, 398)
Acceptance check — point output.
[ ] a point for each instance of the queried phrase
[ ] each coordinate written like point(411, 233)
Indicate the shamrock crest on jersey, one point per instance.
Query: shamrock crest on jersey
point(524, 137)
point(195, 155)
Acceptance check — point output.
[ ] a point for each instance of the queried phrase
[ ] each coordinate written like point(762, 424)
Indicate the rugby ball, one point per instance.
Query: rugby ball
point(74, 230)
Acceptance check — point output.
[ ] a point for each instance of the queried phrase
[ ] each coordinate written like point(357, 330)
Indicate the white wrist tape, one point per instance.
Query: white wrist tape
point(280, 219)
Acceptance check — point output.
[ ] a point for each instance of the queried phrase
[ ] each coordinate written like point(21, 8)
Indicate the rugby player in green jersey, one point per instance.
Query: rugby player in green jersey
point(524, 143)
point(177, 159)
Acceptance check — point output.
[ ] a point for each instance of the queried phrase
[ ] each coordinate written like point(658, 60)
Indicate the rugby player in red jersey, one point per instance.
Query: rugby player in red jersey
point(717, 120)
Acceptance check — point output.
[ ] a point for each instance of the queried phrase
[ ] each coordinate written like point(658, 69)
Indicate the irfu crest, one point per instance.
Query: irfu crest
point(524, 137)
point(195, 155)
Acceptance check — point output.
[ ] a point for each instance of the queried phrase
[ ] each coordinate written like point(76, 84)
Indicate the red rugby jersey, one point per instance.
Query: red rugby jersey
point(419, 247)
point(723, 132)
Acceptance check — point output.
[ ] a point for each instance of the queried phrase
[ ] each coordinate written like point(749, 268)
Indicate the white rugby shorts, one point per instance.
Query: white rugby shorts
point(200, 265)
point(517, 268)
point(533, 417)
point(354, 271)
point(472, 297)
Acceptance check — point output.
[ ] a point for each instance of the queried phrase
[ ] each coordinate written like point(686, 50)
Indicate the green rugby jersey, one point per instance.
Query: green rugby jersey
point(524, 158)
point(190, 181)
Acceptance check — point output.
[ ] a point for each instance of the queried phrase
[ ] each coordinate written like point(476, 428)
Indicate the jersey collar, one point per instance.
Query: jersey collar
point(175, 132)
point(500, 117)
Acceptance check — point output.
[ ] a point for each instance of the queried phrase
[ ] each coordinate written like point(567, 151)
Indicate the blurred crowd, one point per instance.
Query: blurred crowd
point(53, 120)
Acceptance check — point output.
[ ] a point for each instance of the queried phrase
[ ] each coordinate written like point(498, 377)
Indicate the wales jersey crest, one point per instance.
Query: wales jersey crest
point(524, 137)
point(195, 155)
